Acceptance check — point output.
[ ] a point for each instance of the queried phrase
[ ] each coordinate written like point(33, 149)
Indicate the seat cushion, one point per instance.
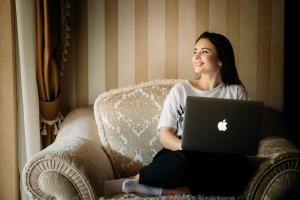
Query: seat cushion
point(134, 196)
point(127, 119)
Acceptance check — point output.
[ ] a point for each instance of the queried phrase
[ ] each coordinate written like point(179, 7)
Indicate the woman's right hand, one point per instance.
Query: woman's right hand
point(169, 139)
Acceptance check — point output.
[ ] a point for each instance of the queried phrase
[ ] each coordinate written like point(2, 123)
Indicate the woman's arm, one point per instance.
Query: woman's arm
point(168, 138)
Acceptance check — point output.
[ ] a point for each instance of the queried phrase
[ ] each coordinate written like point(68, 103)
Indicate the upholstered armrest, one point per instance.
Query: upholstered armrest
point(74, 166)
point(277, 165)
point(277, 174)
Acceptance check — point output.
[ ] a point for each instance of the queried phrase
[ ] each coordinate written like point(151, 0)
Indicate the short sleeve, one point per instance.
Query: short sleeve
point(242, 94)
point(168, 117)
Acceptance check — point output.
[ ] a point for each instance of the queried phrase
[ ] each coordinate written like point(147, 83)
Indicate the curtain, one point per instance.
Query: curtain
point(51, 48)
point(28, 127)
point(39, 59)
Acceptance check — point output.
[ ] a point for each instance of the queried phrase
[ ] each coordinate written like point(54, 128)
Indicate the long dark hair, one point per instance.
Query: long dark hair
point(226, 56)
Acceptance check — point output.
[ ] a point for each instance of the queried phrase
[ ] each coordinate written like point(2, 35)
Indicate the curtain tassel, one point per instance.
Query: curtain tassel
point(55, 129)
point(44, 131)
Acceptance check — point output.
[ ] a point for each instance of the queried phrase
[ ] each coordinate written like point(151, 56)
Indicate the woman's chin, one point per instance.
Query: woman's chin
point(198, 67)
point(197, 70)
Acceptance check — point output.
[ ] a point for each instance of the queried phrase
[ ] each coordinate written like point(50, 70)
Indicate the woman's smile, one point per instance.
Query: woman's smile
point(198, 64)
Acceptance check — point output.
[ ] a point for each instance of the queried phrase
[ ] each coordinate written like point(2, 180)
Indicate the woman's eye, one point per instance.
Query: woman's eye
point(204, 51)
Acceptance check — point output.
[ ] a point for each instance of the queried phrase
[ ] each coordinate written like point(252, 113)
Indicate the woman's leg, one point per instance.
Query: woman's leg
point(201, 173)
point(140, 188)
point(167, 171)
point(215, 174)
point(113, 187)
point(165, 191)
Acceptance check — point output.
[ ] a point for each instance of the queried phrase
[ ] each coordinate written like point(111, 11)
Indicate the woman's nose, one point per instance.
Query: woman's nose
point(197, 56)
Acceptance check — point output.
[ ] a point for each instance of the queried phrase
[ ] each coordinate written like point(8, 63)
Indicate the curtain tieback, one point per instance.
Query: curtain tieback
point(56, 123)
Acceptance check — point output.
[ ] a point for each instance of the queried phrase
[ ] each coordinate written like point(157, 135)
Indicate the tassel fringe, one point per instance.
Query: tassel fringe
point(56, 123)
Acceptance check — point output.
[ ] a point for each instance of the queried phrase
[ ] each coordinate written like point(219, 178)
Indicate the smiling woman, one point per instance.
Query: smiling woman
point(177, 171)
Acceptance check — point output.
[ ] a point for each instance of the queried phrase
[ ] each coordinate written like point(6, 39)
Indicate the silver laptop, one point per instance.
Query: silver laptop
point(221, 125)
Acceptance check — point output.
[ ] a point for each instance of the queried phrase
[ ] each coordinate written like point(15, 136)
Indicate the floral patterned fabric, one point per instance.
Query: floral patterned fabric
point(127, 119)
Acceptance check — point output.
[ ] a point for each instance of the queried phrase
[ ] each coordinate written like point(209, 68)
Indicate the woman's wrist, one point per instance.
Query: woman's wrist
point(180, 145)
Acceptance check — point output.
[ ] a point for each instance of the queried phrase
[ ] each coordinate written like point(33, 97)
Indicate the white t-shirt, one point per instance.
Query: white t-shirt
point(173, 110)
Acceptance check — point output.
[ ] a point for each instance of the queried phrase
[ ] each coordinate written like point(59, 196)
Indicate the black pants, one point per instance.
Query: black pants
point(202, 173)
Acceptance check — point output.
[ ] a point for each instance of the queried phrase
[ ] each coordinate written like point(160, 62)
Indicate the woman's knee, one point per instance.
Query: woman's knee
point(169, 170)
point(177, 171)
point(179, 161)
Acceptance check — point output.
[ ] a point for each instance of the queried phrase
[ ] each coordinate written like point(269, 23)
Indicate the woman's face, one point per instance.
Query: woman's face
point(205, 58)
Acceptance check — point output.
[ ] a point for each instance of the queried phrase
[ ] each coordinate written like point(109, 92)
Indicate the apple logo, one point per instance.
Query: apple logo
point(222, 126)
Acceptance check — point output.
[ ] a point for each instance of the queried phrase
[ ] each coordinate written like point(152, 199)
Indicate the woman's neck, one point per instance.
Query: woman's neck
point(208, 82)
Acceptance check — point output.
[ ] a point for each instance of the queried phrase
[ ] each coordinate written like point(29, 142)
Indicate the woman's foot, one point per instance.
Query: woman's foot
point(133, 186)
point(173, 191)
point(130, 184)
point(113, 187)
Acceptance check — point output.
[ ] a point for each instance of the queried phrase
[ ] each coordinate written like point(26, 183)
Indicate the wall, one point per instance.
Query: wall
point(8, 157)
point(123, 42)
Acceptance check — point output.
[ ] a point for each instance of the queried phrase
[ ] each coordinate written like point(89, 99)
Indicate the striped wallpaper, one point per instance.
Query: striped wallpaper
point(130, 41)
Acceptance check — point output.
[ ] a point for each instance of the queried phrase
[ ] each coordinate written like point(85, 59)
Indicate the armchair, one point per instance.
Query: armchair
point(117, 136)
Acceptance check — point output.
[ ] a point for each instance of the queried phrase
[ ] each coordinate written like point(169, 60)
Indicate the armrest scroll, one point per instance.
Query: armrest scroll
point(70, 168)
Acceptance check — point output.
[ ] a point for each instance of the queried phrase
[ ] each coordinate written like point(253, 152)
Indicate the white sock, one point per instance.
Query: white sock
point(132, 185)
point(113, 187)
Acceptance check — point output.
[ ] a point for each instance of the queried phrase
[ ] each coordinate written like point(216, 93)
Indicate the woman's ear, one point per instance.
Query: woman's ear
point(220, 63)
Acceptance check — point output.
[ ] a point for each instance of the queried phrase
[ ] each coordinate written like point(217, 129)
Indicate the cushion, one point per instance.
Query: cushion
point(134, 196)
point(127, 119)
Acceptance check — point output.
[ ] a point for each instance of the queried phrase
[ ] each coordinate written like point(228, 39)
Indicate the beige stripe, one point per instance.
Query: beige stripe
point(233, 26)
point(202, 13)
point(82, 58)
point(173, 26)
point(277, 42)
point(202, 20)
point(187, 37)
point(141, 42)
point(263, 51)
point(248, 45)
point(126, 42)
point(217, 16)
point(9, 182)
point(156, 39)
point(171, 35)
point(96, 49)
point(111, 44)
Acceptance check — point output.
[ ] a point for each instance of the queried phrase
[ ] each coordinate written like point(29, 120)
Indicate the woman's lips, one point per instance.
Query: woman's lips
point(198, 64)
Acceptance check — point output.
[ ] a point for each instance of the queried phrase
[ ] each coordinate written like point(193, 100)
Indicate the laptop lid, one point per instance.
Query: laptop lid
point(226, 126)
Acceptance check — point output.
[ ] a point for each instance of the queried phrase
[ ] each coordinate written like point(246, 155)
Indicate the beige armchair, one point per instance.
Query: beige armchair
point(118, 136)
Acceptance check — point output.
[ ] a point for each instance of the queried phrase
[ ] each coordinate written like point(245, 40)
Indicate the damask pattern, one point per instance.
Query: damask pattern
point(127, 119)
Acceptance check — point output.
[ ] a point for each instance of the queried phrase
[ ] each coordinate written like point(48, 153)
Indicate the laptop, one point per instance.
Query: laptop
point(223, 126)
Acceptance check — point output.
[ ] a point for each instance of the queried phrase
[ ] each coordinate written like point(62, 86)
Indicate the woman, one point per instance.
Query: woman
point(174, 171)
